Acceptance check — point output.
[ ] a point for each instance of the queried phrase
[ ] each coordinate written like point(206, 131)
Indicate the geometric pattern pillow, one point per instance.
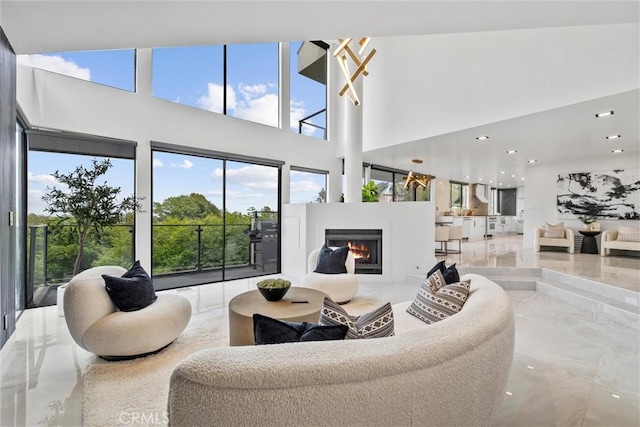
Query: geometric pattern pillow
point(375, 324)
point(628, 234)
point(431, 307)
point(554, 231)
point(435, 281)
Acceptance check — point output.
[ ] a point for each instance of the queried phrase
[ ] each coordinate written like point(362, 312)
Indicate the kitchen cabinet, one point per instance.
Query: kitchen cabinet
point(477, 227)
point(466, 227)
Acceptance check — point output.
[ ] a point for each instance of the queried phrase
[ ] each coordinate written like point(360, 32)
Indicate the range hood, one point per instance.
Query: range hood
point(482, 193)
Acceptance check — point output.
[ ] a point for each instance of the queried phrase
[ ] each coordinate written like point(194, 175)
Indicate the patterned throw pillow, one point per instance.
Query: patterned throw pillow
point(554, 231)
point(375, 324)
point(450, 273)
point(431, 307)
point(628, 234)
point(435, 281)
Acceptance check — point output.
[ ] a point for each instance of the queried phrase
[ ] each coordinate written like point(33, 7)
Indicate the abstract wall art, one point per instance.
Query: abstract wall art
point(603, 195)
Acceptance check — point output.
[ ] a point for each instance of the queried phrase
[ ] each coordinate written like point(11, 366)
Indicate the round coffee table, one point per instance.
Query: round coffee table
point(243, 307)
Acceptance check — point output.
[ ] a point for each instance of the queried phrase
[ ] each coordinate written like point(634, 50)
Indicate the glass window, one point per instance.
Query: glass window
point(307, 187)
point(224, 227)
point(385, 183)
point(53, 248)
point(190, 75)
point(456, 195)
point(116, 68)
point(308, 105)
point(252, 82)
point(18, 218)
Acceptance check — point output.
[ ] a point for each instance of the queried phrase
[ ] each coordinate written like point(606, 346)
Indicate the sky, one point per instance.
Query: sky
point(193, 76)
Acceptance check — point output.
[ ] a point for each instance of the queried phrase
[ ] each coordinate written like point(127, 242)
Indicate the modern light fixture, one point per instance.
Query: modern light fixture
point(522, 178)
point(479, 179)
point(531, 161)
point(499, 183)
point(490, 181)
point(503, 172)
point(612, 137)
point(417, 179)
point(481, 138)
point(512, 151)
point(360, 60)
point(468, 176)
point(605, 113)
point(619, 150)
point(514, 175)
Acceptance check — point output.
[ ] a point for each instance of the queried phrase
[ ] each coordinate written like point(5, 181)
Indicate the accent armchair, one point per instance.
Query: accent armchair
point(560, 238)
point(340, 287)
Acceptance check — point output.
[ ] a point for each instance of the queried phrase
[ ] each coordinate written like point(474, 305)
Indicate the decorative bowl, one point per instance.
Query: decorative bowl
point(273, 289)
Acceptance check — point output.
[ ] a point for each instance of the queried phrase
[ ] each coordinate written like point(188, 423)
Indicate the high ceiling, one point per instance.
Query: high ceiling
point(555, 134)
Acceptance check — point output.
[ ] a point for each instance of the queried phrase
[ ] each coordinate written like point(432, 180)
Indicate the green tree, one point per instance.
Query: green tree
point(322, 196)
point(87, 206)
point(194, 205)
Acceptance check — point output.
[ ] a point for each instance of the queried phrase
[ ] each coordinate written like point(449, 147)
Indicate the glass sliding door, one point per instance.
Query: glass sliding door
point(213, 219)
point(53, 247)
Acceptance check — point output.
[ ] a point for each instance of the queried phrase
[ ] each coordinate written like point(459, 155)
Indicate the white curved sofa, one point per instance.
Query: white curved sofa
point(97, 326)
point(451, 373)
point(340, 287)
point(610, 241)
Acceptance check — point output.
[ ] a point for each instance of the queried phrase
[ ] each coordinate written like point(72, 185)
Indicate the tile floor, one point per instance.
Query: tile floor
point(571, 367)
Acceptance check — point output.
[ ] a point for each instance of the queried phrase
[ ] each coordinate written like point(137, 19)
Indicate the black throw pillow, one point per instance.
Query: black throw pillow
point(267, 330)
point(450, 273)
point(332, 261)
point(133, 291)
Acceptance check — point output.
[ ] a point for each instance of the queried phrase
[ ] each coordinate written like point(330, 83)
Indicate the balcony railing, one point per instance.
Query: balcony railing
point(177, 249)
point(306, 121)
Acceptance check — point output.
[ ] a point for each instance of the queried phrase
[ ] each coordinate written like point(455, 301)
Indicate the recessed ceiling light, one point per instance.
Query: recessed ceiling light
point(467, 176)
point(490, 181)
point(503, 172)
point(479, 179)
point(512, 151)
point(613, 137)
point(522, 178)
point(508, 185)
point(605, 113)
point(531, 161)
point(482, 138)
point(499, 183)
point(514, 175)
point(617, 151)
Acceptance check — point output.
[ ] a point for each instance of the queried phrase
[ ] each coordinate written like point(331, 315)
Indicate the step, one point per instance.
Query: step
point(609, 292)
point(623, 313)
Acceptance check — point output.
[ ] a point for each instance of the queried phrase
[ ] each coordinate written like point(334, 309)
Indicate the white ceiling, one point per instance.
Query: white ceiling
point(552, 135)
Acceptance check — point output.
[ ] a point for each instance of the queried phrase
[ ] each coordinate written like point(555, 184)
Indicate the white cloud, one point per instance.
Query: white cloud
point(55, 63)
point(300, 186)
point(248, 102)
point(251, 176)
point(260, 110)
point(186, 164)
point(157, 163)
point(42, 179)
point(212, 101)
point(35, 203)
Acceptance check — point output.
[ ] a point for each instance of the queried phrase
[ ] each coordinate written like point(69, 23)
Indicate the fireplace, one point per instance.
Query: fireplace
point(365, 245)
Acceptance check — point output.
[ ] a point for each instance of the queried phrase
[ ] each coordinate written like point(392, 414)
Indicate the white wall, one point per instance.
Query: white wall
point(470, 79)
point(540, 192)
point(407, 241)
point(55, 101)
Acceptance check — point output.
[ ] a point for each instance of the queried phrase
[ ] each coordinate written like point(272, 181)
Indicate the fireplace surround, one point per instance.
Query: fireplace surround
point(365, 245)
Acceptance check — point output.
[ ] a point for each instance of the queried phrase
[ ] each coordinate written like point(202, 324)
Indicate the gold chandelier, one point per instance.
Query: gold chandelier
point(360, 60)
point(417, 179)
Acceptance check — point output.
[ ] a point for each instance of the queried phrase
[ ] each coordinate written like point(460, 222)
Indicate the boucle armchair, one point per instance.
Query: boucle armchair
point(566, 241)
point(98, 327)
point(340, 287)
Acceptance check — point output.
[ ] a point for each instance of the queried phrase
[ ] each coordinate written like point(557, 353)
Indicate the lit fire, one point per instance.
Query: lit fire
point(360, 252)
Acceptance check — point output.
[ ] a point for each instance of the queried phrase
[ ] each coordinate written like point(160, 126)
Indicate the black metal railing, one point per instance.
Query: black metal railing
point(306, 122)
